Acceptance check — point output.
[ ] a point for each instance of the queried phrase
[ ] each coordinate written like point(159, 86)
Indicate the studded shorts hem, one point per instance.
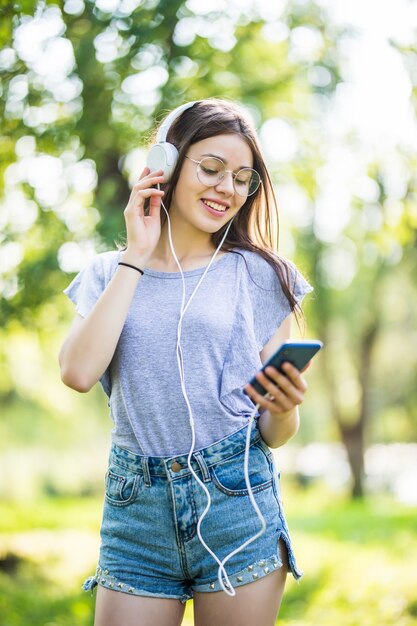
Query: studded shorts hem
point(104, 579)
point(250, 574)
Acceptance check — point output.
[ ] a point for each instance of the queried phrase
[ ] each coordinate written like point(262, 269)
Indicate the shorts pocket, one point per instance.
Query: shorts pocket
point(229, 476)
point(122, 486)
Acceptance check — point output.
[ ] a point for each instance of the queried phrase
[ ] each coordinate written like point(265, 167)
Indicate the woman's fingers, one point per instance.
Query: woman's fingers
point(148, 181)
point(274, 401)
point(294, 375)
point(291, 383)
point(155, 205)
point(147, 193)
point(286, 390)
point(278, 391)
point(145, 188)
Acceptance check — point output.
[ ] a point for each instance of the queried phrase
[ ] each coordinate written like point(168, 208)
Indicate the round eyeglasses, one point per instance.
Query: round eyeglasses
point(211, 171)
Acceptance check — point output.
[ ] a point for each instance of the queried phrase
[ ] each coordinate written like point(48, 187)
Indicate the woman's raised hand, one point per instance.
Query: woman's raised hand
point(143, 231)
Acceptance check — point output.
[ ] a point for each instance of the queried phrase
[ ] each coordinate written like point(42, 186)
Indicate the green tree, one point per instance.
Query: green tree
point(81, 86)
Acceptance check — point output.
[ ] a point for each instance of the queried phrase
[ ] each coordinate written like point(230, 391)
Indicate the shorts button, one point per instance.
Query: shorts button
point(176, 467)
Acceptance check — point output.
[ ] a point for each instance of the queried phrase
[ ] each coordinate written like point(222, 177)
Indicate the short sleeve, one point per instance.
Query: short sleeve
point(88, 285)
point(269, 303)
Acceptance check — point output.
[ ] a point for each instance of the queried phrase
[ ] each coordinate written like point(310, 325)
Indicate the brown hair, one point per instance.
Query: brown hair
point(252, 227)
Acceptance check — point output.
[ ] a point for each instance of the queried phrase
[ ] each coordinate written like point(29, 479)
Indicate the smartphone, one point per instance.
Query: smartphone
point(298, 353)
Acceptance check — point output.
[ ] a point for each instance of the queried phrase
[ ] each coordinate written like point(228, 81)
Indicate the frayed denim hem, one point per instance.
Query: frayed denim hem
point(103, 578)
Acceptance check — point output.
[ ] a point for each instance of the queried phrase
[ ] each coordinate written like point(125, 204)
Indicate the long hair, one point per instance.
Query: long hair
point(257, 220)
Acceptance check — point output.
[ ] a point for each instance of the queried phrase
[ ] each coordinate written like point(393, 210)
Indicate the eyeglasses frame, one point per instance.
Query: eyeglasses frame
point(227, 172)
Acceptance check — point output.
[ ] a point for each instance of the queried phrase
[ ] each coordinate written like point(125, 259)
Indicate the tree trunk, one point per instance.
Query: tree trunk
point(353, 435)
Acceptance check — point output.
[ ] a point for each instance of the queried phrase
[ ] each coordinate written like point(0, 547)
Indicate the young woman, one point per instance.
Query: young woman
point(174, 340)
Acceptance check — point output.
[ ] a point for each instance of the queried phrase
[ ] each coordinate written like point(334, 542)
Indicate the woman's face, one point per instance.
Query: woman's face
point(199, 204)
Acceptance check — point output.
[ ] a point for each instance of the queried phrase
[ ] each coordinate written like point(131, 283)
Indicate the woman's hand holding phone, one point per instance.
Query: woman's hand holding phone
point(285, 391)
point(279, 386)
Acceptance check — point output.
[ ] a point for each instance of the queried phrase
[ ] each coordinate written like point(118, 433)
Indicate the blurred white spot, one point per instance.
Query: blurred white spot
point(72, 256)
point(374, 217)
point(18, 88)
point(8, 58)
point(405, 488)
point(25, 146)
point(50, 196)
point(11, 253)
point(319, 76)
point(366, 188)
point(57, 58)
point(185, 67)
point(149, 55)
point(31, 36)
point(17, 212)
point(82, 176)
point(126, 7)
point(201, 8)
point(42, 170)
point(76, 217)
point(107, 6)
point(324, 460)
point(338, 264)
point(295, 205)
point(45, 114)
point(393, 467)
point(134, 163)
point(306, 44)
point(396, 18)
point(279, 140)
point(270, 11)
point(275, 32)
point(74, 7)
point(9, 287)
point(108, 45)
point(185, 31)
point(148, 80)
point(68, 89)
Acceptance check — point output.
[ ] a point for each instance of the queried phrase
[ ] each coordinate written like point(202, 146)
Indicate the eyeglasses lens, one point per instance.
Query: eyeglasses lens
point(211, 172)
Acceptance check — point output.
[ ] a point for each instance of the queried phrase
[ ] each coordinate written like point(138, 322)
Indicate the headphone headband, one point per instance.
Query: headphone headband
point(165, 126)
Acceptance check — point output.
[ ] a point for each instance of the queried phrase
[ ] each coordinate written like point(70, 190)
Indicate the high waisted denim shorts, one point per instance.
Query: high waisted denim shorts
point(149, 542)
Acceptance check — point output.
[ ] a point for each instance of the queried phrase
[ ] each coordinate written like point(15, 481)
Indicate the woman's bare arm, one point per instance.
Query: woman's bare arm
point(91, 342)
point(90, 345)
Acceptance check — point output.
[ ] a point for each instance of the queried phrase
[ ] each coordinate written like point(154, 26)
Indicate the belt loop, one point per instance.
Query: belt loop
point(203, 466)
point(145, 469)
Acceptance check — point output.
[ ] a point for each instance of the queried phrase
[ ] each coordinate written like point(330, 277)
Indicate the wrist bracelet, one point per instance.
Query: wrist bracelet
point(132, 266)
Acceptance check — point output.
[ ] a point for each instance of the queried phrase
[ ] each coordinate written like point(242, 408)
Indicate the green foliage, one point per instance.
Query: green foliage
point(100, 120)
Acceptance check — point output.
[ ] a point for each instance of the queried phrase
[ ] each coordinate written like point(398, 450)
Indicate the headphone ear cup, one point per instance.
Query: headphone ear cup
point(162, 156)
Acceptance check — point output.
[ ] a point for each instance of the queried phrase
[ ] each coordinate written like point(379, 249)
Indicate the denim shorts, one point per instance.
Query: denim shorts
point(149, 541)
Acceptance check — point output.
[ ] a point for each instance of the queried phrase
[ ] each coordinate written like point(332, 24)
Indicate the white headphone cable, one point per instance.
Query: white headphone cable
point(226, 584)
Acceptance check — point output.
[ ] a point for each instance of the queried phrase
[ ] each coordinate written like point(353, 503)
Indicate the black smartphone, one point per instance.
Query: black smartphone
point(298, 353)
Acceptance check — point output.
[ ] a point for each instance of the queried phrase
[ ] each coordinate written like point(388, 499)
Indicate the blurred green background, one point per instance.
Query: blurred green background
point(332, 89)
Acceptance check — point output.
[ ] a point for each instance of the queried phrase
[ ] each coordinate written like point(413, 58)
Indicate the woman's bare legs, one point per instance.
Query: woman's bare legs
point(255, 603)
point(114, 608)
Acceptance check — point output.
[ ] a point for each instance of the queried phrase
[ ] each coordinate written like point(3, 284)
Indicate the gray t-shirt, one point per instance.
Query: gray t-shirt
point(228, 322)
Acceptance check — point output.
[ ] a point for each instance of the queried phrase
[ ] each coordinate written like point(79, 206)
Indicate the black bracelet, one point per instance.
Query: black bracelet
point(132, 266)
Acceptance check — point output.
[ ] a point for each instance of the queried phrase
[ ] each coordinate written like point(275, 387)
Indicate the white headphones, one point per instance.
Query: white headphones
point(164, 155)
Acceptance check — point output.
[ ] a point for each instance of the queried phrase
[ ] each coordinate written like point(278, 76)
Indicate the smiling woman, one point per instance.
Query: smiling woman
point(191, 484)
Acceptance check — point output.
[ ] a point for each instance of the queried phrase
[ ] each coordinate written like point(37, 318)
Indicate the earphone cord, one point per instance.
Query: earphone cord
point(222, 574)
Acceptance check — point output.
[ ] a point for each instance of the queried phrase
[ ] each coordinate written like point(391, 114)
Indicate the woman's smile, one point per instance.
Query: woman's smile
point(215, 207)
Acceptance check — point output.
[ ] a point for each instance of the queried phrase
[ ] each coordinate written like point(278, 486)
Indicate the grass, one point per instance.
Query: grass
point(359, 561)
